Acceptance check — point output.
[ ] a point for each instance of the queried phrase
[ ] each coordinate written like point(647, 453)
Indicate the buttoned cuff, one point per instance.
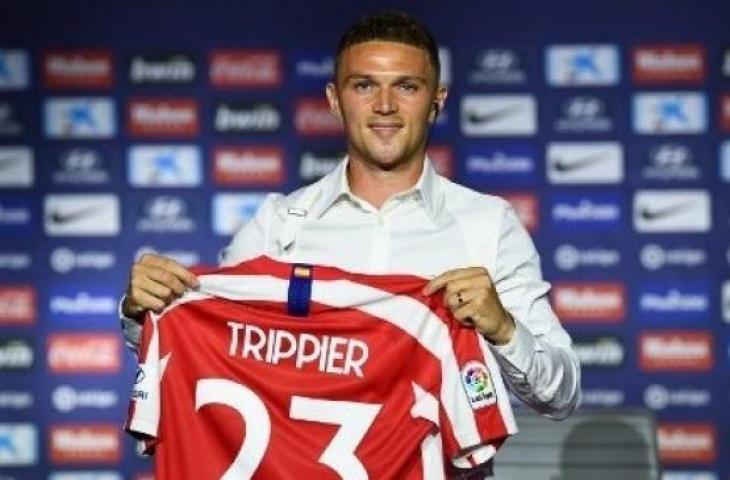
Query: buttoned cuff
point(519, 351)
point(131, 328)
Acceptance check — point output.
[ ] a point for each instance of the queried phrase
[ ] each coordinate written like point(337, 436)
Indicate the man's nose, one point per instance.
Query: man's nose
point(384, 102)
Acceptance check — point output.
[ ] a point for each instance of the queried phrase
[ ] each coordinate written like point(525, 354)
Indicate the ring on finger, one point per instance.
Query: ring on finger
point(459, 300)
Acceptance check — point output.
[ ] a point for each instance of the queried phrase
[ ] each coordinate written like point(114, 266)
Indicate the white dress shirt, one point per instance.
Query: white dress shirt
point(436, 226)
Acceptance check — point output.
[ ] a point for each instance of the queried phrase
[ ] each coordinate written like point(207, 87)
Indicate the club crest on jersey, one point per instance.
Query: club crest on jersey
point(478, 385)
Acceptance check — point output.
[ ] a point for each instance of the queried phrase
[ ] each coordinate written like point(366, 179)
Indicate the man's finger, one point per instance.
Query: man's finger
point(452, 275)
point(140, 299)
point(165, 278)
point(170, 265)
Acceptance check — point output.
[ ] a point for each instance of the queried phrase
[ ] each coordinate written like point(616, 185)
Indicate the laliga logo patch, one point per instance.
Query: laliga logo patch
point(478, 385)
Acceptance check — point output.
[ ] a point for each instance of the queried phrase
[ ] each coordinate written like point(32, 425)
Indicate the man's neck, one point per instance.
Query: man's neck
point(376, 186)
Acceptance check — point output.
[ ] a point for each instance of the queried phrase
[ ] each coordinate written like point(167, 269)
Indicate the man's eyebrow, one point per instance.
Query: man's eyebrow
point(399, 79)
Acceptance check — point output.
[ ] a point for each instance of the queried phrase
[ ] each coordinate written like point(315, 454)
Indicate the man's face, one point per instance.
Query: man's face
point(386, 95)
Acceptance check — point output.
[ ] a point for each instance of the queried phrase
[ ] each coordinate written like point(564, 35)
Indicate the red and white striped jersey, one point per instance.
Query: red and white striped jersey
point(371, 379)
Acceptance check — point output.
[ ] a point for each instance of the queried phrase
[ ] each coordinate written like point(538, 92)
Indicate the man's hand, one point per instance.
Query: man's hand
point(154, 283)
point(470, 294)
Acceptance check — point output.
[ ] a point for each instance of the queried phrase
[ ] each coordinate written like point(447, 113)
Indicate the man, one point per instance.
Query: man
point(385, 210)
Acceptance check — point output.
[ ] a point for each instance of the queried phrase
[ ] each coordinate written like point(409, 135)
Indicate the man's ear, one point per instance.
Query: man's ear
point(438, 104)
point(334, 100)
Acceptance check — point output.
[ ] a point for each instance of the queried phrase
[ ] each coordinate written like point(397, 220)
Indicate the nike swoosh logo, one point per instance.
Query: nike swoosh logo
point(493, 116)
point(564, 165)
point(60, 217)
point(649, 214)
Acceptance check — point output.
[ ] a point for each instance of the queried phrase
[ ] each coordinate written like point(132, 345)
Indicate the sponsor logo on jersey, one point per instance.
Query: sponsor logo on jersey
point(249, 165)
point(86, 475)
point(725, 112)
point(84, 443)
point(17, 305)
point(16, 354)
point(498, 66)
point(669, 113)
point(78, 69)
point(81, 166)
point(186, 258)
point(168, 117)
point(16, 167)
point(508, 163)
point(15, 261)
point(18, 444)
point(602, 397)
point(81, 215)
point(246, 68)
point(671, 161)
point(526, 208)
point(233, 210)
point(442, 159)
point(498, 115)
point(600, 352)
point(725, 300)
point(582, 65)
point(478, 385)
point(654, 257)
point(585, 162)
point(314, 118)
point(725, 161)
point(687, 443)
point(672, 211)
point(166, 214)
point(16, 215)
point(14, 70)
point(79, 118)
point(13, 121)
point(84, 353)
point(247, 117)
point(676, 351)
point(673, 300)
point(660, 397)
point(662, 64)
point(16, 400)
point(569, 257)
point(165, 166)
point(65, 260)
point(66, 398)
point(315, 67)
point(602, 302)
point(583, 114)
point(92, 300)
point(162, 69)
point(315, 164)
point(569, 211)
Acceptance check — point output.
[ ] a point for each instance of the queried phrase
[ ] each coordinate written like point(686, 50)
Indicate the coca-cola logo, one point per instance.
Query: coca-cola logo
point(245, 68)
point(17, 305)
point(84, 353)
point(313, 118)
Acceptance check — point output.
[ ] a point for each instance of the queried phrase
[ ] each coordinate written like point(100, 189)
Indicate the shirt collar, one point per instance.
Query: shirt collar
point(334, 186)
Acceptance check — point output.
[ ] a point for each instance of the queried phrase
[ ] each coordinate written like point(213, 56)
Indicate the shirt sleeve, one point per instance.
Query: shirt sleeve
point(143, 415)
point(477, 413)
point(539, 362)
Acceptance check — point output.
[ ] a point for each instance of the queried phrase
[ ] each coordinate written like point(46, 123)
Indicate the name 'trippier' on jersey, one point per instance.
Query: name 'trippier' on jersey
point(372, 380)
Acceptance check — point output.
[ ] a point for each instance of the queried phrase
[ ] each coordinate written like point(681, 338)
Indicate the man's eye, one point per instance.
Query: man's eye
point(364, 86)
point(408, 87)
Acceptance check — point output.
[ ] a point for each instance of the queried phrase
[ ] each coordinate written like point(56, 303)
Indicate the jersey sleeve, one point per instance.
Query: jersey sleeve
point(477, 413)
point(143, 416)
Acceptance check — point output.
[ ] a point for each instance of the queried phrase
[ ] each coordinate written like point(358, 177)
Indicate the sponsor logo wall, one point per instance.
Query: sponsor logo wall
point(615, 156)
